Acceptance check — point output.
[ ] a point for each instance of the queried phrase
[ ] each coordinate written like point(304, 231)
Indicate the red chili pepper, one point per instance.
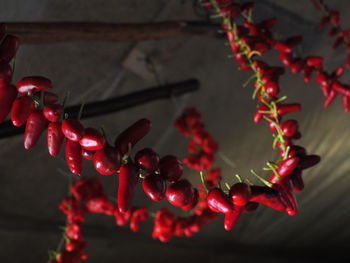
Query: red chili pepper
point(232, 217)
point(258, 114)
point(290, 128)
point(338, 72)
point(148, 160)
point(307, 74)
point(331, 97)
point(107, 161)
point(36, 124)
point(5, 74)
point(138, 216)
point(296, 150)
point(7, 96)
point(287, 166)
point(296, 66)
point(272, 88)
point(240, 194)
point(322, 79)
point(268, 196)
point(284, 195)
point(292, 209)
point(315, 62)
point(133, 134)
point(53, 112)
point(72, 129)
point(171, 168)
point(33, 84)
point(286, 58)
point(22, 107)
point(282, 47)
point(297, 180)
point(219, 202)
point(341, 88)
point(122, 218)
point(194, 201)
point(308, 161)
point(154, 187)
point(128, 178)
point(73, 157)
point(92, 140)
point(8, 48)
point(242, 61)
point(89, 155)
point(54, 138)
point(283, 109)
point(180, 193)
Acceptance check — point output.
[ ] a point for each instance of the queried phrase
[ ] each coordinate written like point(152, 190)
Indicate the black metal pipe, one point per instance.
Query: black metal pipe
point(117, 103)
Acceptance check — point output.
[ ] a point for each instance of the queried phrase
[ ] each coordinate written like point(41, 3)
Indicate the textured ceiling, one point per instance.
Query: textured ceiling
point(32, 183)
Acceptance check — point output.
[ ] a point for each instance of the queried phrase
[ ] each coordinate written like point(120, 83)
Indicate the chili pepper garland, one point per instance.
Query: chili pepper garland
point(162, 177)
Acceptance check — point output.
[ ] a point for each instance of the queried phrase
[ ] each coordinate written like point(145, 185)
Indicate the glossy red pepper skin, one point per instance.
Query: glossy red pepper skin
point(92, 140)
point(128, 179)
point(133, 134)
point(154, 187)
point(171, 168)
point(5, 74)
point(180, 193)
point(33, 84)
point(283, 109)
point(7, 96)
point(272, 88)
point(287, 166)
point(258, 114)
point(232, 217)
point(290, 128)
point(54, 112)
point(72, 129)
point(268, 196)
point(8, 48)
point(54, 138)
point(107, 161)
point(194, 201)
point(73, 157)
point(36, 124)
point(240, 194)
point(148, 160)
point(315, 62)
point(22, 107)
point(218, 201)
point(88, 155)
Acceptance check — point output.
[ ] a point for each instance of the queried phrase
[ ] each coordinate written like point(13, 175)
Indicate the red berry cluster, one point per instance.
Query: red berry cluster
point(87, 196)
point(202, 146)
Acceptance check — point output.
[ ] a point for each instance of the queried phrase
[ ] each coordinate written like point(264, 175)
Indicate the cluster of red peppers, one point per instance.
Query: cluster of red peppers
point(32, 104)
